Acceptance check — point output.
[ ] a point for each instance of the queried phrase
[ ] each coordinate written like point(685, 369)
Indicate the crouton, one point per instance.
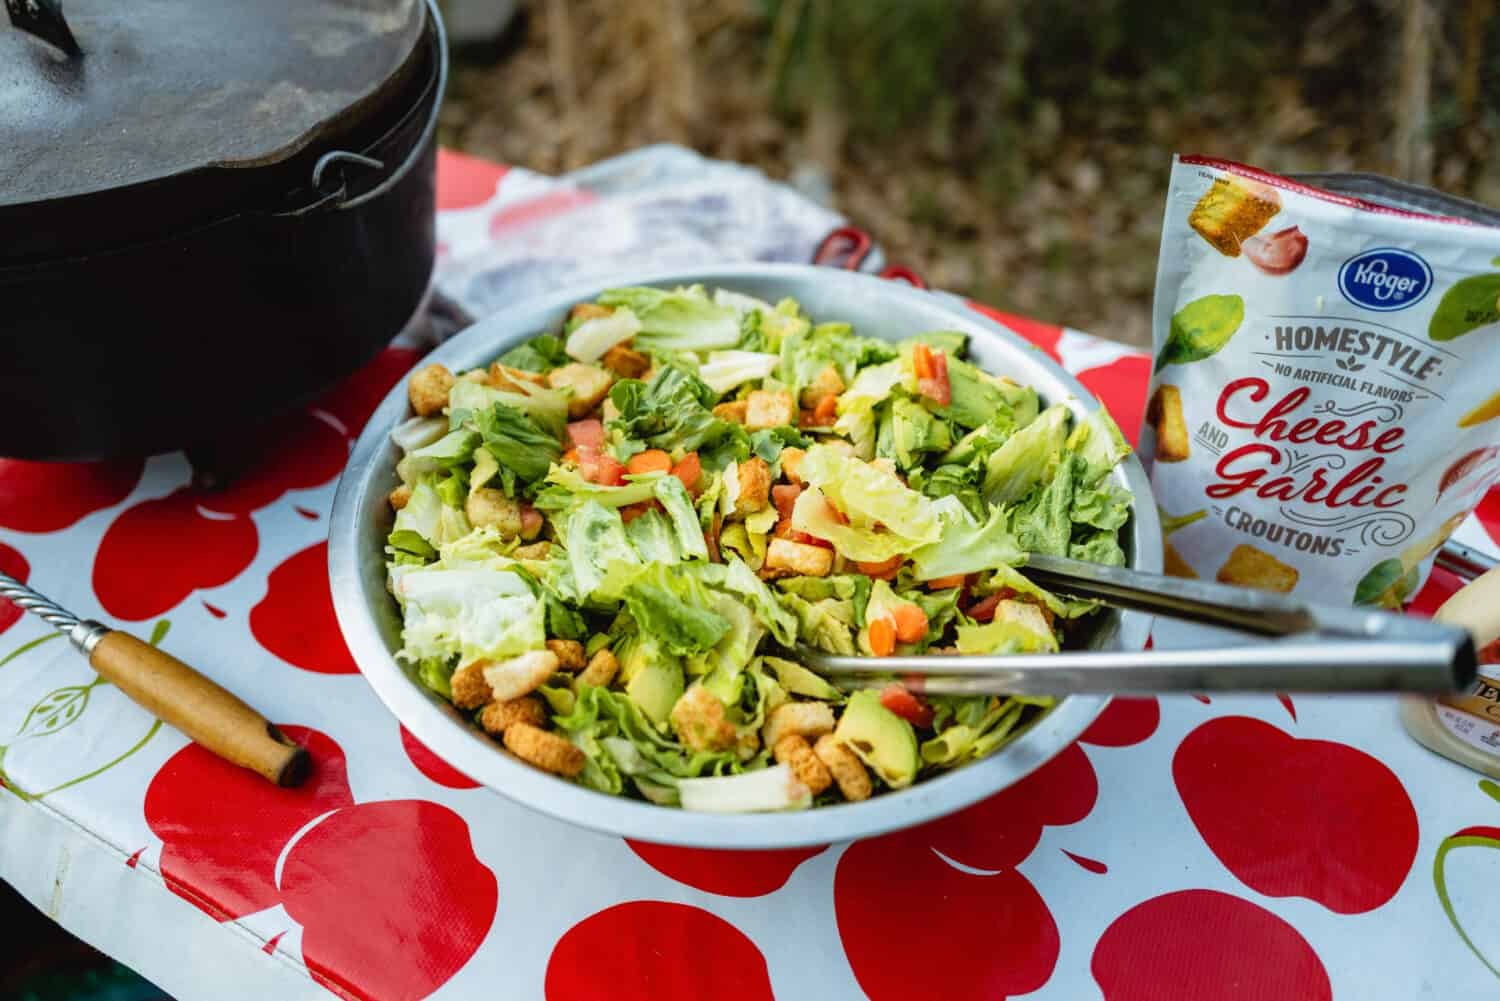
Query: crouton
point(506, 378)
point(1251, 567)
point(569, 654)
point(520, 675)
point(589, 311)
point(845, 767)
point(490, 508)
point(470, 690)
point(785, 558)
point(1164, 413)
point(1173, 565)
point(755, 486)
point(399, 497)
point(791, 461)
point(498, 716)
point(600, 672)
point(797, 754)
point(535, 551)
point(543, 749)
point(802, 719)
point(765, 409)
point(428, 389)
point(625, 362)
point(827, 383)
point(589, 384)
point(698, 717)
point(1233, 210)
point(733, 411)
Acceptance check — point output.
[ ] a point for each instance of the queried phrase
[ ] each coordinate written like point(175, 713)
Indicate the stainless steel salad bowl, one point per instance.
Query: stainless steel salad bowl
point(371, 622)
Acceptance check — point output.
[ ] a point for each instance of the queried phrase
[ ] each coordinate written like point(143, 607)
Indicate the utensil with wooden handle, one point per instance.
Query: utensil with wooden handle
point(173, 692)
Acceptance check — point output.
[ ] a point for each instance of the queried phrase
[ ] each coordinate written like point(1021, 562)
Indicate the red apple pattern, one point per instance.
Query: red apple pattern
point(352, 401)
point(295, 620)
point(223, 827)
point(391, 898)
point(651, 950)
point(1489, 514)
point(727, 873)
point(432, 766)
point(51, 496)
point(1297, 818)
point(1202, 945)
point(1124, 722)
point(13, 563)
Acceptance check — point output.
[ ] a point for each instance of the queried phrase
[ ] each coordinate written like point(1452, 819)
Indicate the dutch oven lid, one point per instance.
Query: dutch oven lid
point(166, 87)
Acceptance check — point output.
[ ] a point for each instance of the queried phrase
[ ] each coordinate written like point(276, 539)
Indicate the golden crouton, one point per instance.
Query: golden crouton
point(766, 409)
point(801, 719)
point(734, 411)
point(600, 672)
point(505, 378)
point(797, 754)
point(520, 675)
point(1232, 211)
point(545, 750)
point(589, 383)
point(845, 767)
point(470, 690)
point(589, 311)
point(535, 551)
point(1164, 413)
point(625, 362)
point(785, 558)
point(569, 654)
point(791, 461)
point(755, 486)
point(1173, 565)
point(1251, 567)
point(399, 497)
point(490, 508)
point(827, 383)
point(698, 718)
point(498, 716)
point(428, 389)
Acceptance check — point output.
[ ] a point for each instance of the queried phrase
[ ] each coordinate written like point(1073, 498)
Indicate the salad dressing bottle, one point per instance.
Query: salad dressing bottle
point(1466, 726)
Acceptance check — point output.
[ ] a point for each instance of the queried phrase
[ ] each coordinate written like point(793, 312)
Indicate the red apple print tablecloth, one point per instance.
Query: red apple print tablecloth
point(1256, 848)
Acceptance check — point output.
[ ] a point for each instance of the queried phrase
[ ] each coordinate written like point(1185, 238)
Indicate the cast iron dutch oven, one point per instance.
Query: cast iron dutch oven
point(210, 210)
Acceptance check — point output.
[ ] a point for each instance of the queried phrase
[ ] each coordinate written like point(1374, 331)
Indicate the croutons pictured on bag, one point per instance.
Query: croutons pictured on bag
point(1251, 567)
point(589, 384)
point(427, 389)
point(767, 409)
point(545, 750)
point(785, 558)
point(1164, 414)
point(1232, 211)
point(1173, 565)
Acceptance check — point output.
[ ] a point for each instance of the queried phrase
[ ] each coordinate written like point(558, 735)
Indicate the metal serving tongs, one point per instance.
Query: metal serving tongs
point(1317, 648)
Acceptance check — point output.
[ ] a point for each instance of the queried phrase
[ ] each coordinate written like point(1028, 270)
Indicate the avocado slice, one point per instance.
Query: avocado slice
point(655, 687)
point(800, 681)
point(884, 741)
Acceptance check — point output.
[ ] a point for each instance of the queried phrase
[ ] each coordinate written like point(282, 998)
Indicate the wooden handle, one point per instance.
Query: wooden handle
point(181, 697)
point(1476, 607)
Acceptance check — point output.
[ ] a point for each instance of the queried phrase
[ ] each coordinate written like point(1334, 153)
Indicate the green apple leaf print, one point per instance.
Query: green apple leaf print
point(1470, 304)
point(1201, 328)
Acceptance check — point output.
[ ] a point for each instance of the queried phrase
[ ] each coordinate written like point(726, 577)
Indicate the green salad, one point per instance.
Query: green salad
point(609, 544)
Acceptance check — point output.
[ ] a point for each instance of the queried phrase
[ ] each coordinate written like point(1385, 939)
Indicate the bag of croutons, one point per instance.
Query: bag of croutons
point(1325, 403)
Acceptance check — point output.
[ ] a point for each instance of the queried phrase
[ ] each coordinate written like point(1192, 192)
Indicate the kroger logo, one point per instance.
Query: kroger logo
point(1385, 279)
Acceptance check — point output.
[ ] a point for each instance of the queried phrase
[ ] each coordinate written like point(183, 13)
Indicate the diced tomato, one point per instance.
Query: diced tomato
point(935, 386)
point(653, 460)
point(784, 496)
point(903, 703)
point(885, 570)
point(943, 583)
point(589, 432)
point(600, 468)
point(882, 637)
point(689, 470)
point(911, 622)
point(983, 610)
point(630, 512)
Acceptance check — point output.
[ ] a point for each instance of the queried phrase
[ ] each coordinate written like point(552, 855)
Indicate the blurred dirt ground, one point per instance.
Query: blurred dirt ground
point(1013, 150)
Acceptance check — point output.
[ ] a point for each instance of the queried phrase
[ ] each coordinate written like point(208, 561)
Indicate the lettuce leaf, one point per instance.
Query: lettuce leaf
point(968, 546)
point(426, 522)
point(689, 535)
point(670, 412)
point(856, 407)
point(1100, 444)
point(547, 407)
point(596, 542)
point(565, 487)
point(471, 614)
point(867, 496)
point(1026, 457)
point(515, 441)
point(685, 319)
point(542, 353)
point(675, 609)
point(589, 340)
point(1002, 637)
point(724, 370)
point(1043, 524)
point(828, 624)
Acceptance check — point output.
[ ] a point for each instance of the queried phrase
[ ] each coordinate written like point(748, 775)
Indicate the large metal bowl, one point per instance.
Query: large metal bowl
point(371, 624)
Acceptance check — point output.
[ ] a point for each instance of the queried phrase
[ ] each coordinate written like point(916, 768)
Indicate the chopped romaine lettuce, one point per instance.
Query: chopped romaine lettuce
point(725, 370)
point(471, 614)
point(1026, 457)
point(593, 337)
point(684, 319)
